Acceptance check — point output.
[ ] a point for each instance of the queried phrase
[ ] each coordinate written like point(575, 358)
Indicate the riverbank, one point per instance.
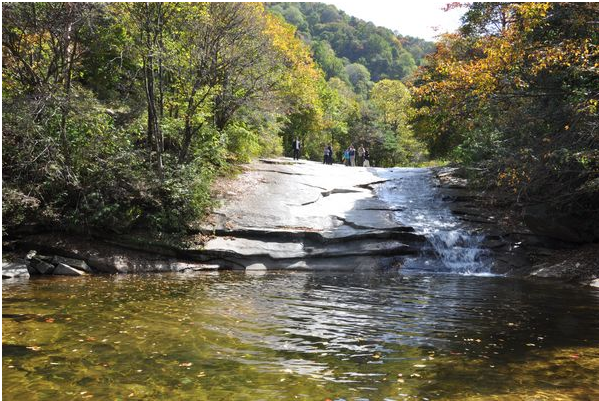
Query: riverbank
point(300, 215)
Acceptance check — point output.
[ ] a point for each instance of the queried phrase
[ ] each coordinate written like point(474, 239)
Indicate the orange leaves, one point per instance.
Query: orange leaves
point(580, 54)
point(512, 178)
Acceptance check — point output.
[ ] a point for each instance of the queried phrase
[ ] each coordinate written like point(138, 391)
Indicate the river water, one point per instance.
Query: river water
point(442, 328)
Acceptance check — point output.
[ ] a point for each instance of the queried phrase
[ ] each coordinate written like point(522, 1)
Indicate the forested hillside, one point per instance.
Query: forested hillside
point(117, 116)
point(343, 45)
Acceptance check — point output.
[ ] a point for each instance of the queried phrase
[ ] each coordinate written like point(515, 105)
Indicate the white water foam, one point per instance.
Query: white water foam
point(456, 248)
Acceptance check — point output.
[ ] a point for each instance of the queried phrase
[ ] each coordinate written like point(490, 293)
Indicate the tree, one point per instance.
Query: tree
point(42, 46)
point(151, 24)
point(393, 99)
point(515, 91)
point(359, 78)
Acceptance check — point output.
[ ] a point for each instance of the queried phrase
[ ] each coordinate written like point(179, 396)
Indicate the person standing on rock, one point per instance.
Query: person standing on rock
point(330, 161)
point(296, 145)
point(325, 160)
point(366, 158)
point(346, 157)
point(361, 155)
point(352, 156)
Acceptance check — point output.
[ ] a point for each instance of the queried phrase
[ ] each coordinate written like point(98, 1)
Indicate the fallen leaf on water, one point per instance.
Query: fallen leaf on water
point(50, 320)
point(34, 348)
point(185, 364)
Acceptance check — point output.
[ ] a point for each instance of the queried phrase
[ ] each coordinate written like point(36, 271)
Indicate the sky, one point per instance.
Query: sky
point(420, 18)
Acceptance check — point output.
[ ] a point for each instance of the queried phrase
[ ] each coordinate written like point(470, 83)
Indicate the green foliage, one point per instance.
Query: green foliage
point(359, 76)
point(325, 56)
point(242, 141)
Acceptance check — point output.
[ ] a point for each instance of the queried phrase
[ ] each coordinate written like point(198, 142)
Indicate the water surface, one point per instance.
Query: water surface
point(306, 336)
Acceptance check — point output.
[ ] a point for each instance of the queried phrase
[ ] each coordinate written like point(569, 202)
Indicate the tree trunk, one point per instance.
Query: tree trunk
point(154, 134)
point(68, 57)
point(187, 135)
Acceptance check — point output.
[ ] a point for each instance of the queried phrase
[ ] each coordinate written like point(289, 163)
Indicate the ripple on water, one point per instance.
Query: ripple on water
point(314, 336)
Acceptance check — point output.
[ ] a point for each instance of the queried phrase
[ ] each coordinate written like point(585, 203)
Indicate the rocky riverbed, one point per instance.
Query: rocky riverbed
point(300, 215)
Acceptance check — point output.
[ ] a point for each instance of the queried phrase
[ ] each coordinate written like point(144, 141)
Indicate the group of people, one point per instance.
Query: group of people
point(351, 156)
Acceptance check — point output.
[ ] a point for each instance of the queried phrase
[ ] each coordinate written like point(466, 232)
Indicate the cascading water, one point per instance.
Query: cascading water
point(456, 249)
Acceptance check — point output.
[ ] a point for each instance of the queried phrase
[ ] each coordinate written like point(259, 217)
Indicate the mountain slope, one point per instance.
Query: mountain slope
point(339, 40)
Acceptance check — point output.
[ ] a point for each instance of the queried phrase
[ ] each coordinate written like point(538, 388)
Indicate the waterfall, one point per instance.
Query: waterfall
point(453, 246)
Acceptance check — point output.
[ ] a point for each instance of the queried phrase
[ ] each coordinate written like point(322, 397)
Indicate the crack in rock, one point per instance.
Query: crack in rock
point(370, 184)
point(280, 172)
point(270, 161)
point(311, 202)
point(324, 194)
point(313, 186)
point(339, 191)
point(352, 224)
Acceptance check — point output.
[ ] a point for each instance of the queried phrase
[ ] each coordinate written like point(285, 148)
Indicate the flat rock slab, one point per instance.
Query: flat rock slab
point(303, 195)
point(296, 214)
point(300, 250)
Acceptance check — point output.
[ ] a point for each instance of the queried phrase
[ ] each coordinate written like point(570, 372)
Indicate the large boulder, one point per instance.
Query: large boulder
point(76, 263)
point(543, 220)
point(39, 266)
point(66, 270)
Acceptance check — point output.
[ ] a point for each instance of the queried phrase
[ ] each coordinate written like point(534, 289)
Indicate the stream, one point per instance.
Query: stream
point(440, 328)
point(456, 248)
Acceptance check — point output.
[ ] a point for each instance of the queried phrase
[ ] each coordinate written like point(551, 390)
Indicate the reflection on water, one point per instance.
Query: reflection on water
point(282, 336)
